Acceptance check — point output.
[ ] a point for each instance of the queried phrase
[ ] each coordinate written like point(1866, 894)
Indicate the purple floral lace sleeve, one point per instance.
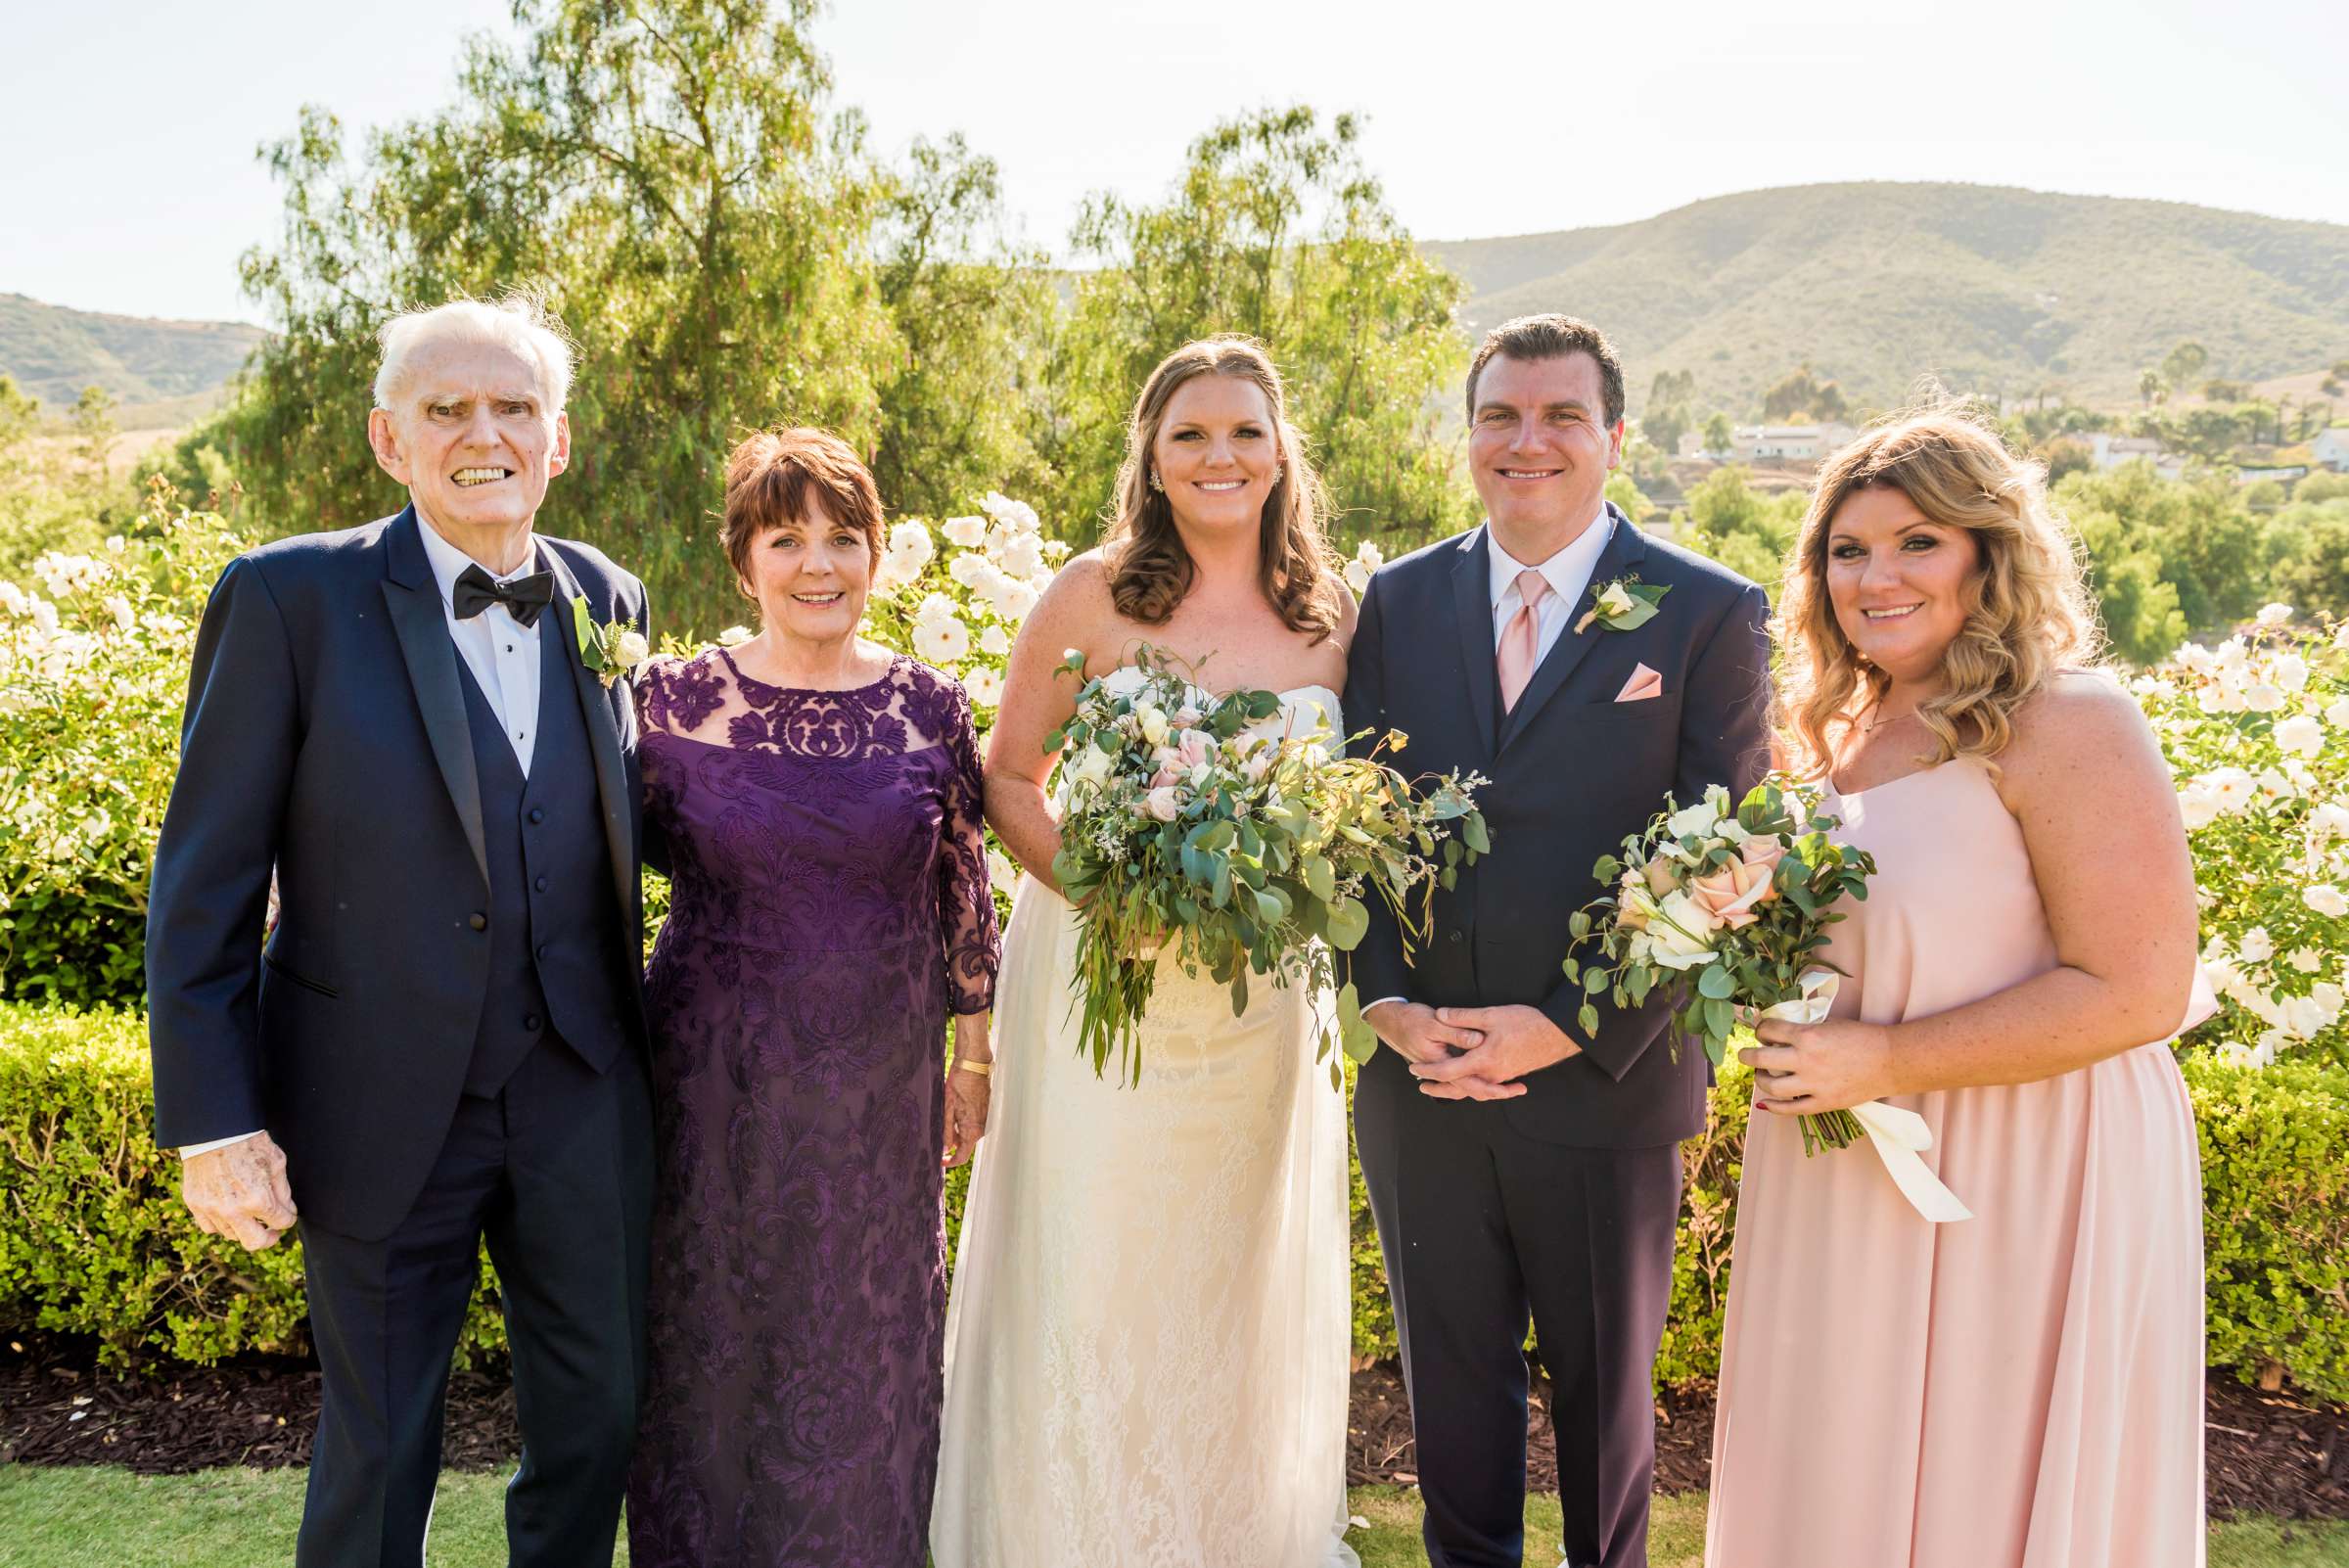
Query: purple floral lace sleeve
point(966, 902)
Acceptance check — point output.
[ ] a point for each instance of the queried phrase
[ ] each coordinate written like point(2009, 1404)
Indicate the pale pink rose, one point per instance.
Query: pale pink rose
point(1186, 716)
point(1163, 778)
point(1631, 901)
point(1194, 747)
point(1761, 852)
point(1162, 803)
point(1730, 893)
point(1659, 876)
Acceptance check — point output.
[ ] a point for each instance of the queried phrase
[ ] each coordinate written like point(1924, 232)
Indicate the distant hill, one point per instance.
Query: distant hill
point(1991, 289)
point(54, 352)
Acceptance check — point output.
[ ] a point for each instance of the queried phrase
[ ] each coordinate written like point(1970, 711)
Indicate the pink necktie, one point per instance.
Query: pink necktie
point(1521, 639)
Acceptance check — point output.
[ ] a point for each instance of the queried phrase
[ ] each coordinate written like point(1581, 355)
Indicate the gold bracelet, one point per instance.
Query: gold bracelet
point(979, 1068)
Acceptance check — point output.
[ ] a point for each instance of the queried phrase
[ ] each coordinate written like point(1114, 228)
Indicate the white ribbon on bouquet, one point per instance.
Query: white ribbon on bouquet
point(1898, 1135)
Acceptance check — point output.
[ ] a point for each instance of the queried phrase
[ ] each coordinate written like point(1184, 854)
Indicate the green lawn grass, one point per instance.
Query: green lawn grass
point(84, 1518)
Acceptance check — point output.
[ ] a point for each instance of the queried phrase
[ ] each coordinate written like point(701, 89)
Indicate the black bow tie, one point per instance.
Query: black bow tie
point(524, 597)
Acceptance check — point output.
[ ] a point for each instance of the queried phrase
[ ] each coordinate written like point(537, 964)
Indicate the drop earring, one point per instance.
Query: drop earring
point(1157, 483)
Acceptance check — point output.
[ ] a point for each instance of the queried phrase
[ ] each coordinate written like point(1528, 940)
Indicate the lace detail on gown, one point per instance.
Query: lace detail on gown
point(1147, 1347)
point(830, 909)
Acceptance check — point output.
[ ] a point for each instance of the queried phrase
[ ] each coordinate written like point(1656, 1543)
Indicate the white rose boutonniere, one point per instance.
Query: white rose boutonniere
point(1622, 605)
point(612, 650)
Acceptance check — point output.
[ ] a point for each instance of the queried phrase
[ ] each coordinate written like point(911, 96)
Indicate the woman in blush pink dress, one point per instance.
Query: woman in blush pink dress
point(2023, 1389)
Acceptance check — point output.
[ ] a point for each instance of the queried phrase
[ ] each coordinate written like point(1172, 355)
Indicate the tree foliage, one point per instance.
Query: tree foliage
point(1277, 230)
point(726, 255)
point(1802, 395)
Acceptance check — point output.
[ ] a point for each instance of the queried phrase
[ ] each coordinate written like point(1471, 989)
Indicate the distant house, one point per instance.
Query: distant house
point(2282, 473)
point(2331, 448)
point(1801, 444)
point(2111, 450)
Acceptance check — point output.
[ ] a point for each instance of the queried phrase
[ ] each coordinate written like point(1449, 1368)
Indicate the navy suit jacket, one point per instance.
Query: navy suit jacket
point(326, 736)
point(1573, 773)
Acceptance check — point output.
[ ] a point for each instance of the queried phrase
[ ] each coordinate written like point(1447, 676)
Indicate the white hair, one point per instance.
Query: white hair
point(516, 321)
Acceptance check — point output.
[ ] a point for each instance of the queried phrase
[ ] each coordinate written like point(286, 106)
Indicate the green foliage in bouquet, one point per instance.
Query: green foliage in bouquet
point(1725, 910)
point(1241, 854)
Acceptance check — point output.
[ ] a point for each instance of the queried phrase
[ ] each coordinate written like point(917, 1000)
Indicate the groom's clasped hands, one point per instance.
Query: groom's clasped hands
point(1470, 1053)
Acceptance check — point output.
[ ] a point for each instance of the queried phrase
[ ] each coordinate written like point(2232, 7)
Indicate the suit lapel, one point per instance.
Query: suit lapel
point(1472, 603)
point(1624, 551)
point(431, 654)
point(603, 733)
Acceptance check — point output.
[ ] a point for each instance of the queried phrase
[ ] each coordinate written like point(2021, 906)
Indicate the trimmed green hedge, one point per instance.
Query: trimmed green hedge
point(93, 1239)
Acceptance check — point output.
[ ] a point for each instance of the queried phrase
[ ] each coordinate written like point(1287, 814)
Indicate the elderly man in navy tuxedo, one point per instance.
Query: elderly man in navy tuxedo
point(413, 726)
point(1518, 1162)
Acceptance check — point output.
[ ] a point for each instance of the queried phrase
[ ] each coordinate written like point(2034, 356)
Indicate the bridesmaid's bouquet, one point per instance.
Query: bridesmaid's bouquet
point(1726, 908)
point(1239, 853)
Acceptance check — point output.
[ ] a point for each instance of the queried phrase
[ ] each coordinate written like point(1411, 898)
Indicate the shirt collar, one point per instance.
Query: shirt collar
point(1568, 572)
point(449, 563)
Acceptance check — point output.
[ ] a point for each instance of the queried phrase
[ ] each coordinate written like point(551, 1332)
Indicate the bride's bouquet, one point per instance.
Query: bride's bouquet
point(1238, 852)
point(1726, 908)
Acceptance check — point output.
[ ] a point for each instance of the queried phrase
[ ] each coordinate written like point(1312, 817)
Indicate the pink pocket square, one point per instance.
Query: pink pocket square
point(1643, 684)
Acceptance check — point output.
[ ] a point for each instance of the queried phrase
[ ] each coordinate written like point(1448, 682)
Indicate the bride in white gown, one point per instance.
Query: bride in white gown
point(1147, 1343)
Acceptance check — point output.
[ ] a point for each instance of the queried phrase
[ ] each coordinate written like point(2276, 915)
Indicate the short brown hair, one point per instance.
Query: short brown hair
point(773, 476)
point(1553, 336)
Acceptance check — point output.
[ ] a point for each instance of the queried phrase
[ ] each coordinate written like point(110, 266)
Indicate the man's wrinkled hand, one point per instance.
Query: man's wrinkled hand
point(240, 1193)
point(1517, 1041)
point(1416, 1033)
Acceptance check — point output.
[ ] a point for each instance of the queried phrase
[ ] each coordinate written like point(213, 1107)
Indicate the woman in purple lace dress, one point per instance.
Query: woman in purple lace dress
point(820, 802)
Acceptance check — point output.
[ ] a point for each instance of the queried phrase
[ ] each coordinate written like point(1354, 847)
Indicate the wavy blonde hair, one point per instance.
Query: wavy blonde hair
point(1150, 571)
point(2028, 614)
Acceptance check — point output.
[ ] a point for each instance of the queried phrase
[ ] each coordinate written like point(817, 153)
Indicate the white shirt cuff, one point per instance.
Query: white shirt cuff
point(190, 1151)
point(1366, 1006)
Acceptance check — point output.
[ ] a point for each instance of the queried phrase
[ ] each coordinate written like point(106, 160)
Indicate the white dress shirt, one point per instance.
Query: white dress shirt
point(503, 655)
point(501, 652)
point(1568, 573)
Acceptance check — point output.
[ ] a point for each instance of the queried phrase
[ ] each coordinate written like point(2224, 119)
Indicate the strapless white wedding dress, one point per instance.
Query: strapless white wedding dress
point(1147, 1341)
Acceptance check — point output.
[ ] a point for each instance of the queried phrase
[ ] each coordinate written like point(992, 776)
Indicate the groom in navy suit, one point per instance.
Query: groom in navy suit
point(442, 1041)
point(1517, 1162)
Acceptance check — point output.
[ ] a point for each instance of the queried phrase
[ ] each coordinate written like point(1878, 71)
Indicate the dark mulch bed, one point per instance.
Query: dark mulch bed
point(2275, 1454)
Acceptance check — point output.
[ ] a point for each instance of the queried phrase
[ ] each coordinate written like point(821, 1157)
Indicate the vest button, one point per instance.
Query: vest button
point(541, 883)
point(1459, 936)
point(538, 814)
point(531, 1022)
point(477, 920)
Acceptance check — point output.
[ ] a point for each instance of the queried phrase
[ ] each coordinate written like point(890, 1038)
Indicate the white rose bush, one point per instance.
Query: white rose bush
point(94, 656)
point(2256, 731)
point(953, 594)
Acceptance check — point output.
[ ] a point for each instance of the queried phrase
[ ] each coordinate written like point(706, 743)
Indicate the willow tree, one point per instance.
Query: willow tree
point(1275, 229)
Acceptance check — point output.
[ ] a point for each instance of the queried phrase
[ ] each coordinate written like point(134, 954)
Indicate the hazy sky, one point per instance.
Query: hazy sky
point(129, 180)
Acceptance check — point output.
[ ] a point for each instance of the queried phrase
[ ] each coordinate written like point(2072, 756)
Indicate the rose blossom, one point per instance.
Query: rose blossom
point(1193, 746)
point(1681, 932)
point(1730, 893)
point(1162, 803)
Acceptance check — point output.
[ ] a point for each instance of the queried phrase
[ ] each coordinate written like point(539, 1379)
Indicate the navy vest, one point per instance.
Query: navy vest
point(554, 927)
